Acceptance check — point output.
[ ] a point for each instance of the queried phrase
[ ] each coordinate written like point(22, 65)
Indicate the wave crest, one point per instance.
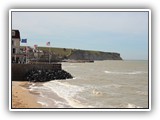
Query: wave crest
point(125, 73)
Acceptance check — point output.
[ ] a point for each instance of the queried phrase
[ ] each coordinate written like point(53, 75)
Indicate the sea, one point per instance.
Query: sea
point(101, 84)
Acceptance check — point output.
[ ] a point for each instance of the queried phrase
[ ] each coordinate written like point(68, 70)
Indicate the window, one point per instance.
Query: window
point(13, 33)
point(12, 42)
point(14, 50)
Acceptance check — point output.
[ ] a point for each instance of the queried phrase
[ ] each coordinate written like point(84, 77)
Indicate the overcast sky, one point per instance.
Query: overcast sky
point(122, 32)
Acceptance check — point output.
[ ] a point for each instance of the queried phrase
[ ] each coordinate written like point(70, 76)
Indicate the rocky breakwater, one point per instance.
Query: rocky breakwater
point(40, 75)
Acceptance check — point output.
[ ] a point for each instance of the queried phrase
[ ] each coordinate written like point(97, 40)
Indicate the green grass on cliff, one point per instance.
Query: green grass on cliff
point(57, 51)
point(65, 51)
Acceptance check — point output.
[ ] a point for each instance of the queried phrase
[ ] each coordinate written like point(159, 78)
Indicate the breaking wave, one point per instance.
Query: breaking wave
point(129, 105)
point(126, 73)
point(68, 92)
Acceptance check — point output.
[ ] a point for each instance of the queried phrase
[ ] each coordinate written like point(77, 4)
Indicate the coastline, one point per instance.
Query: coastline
point(22, 97)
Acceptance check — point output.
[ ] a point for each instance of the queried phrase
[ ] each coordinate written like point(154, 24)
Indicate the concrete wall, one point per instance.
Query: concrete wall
point(19, 70)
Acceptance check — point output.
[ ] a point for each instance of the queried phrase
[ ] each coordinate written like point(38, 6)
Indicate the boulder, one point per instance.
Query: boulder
point(42, 75)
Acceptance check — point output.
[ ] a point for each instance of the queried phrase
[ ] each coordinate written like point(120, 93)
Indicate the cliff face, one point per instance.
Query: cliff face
point(93, 55)
point(60, 54)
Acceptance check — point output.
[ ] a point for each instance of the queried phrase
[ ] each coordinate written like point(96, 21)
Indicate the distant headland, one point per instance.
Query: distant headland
point(41, 54)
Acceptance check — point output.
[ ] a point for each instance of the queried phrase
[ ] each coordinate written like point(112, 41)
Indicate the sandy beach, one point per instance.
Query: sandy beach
point(22, 97)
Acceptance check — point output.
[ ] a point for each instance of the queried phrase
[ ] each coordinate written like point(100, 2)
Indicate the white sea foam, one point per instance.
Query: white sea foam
point(37, 88)
point(129, 105)
point(67, 92)
point(125, 73)
point(97, 92)
point(59, 104)
point(77, 77)
point(31, 88)
point(43, 103)
point(74, 78)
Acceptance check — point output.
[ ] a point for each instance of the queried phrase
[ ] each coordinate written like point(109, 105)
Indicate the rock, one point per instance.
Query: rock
point(47, 75)
point(93, 55)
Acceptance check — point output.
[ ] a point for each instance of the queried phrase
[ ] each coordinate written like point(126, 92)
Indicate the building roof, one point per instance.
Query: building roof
point(15, 34)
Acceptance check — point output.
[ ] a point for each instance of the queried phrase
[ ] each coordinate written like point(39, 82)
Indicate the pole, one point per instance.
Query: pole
point(49, 54)
point(26, 54)
point(38, 54)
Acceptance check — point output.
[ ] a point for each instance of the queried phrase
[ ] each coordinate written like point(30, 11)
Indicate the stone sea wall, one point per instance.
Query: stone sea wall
point(19, 71)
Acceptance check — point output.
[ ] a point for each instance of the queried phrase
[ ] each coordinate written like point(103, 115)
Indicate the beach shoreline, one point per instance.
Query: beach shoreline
point(22, 97)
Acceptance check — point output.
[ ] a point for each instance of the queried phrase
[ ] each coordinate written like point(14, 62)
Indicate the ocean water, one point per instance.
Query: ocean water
point(102, 84)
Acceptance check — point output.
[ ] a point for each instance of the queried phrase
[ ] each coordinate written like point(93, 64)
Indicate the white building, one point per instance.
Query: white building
point(16, 55)
point(15, 41)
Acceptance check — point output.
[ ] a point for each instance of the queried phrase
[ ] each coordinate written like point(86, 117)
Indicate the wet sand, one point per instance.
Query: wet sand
point(22, 97)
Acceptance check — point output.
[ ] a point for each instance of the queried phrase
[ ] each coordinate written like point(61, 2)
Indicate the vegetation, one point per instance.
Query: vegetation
point(57, 51)
point(59, 54)
point(66, 51)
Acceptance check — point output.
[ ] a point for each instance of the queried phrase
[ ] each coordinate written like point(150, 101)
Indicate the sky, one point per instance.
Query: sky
point(122, 32)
